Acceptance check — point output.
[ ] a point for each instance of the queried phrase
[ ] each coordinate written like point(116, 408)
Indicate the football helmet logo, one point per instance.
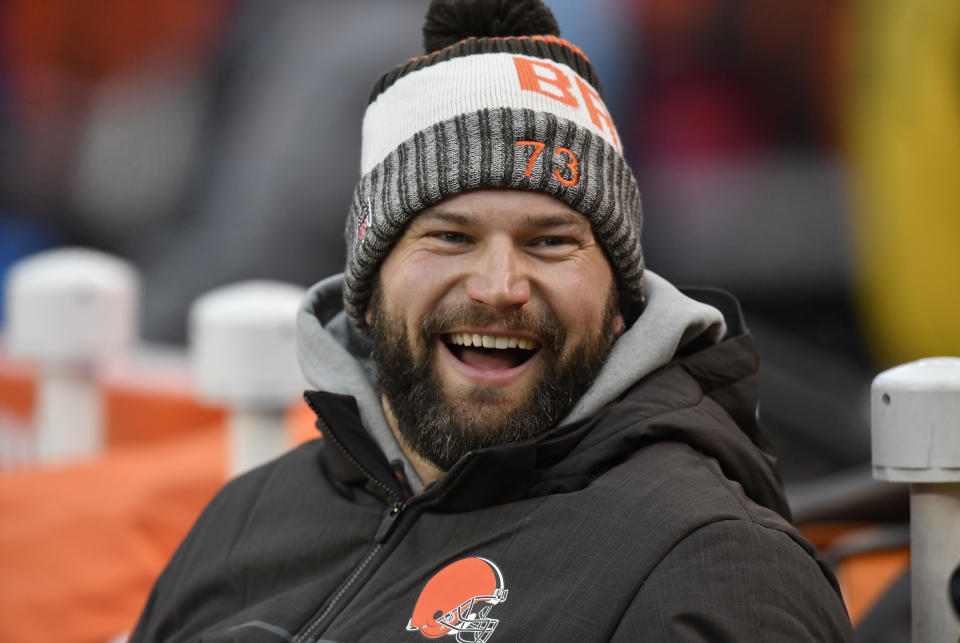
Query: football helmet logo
point(457, 601)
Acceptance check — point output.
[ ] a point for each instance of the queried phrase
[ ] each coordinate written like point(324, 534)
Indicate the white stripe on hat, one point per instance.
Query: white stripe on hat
point(475, 82)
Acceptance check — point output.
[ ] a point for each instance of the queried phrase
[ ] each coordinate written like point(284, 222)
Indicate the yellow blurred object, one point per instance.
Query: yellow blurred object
point(904, 125)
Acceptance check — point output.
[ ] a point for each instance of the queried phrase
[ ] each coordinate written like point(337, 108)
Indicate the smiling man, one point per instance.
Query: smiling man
point(525, 435)
point(492, 314)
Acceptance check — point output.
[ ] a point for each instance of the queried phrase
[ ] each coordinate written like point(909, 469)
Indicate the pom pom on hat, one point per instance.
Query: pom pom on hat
point(450, 21)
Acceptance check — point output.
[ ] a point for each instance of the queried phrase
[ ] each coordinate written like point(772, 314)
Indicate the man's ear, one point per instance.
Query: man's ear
point(368, 316)
point(619, 326)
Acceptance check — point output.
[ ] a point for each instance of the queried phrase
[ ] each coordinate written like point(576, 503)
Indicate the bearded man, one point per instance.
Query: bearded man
point(525, 436)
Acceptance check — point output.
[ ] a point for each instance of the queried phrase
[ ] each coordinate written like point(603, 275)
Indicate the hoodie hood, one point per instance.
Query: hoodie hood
point(335, 357)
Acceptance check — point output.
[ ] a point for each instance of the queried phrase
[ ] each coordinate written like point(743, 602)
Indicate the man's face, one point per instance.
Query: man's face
point(492, 315)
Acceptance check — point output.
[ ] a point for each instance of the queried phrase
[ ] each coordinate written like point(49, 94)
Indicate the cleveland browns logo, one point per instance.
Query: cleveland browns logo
point(457, 602)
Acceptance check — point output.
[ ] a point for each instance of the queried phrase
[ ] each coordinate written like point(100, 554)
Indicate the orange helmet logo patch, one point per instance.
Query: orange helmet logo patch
point(457, 601)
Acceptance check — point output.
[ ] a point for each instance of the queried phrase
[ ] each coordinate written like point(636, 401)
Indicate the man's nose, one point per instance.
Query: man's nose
point(499, 277)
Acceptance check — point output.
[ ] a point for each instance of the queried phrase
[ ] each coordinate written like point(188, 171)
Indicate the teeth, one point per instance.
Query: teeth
point(489, 341)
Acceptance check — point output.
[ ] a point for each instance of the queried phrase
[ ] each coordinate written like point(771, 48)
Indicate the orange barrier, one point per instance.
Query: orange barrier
point(867, 577)
point(81, 545)
point(864, 577)
point(17, 393)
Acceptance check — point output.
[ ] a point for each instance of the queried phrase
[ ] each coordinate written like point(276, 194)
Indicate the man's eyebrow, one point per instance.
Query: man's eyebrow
point(443, 215)
point(555, 220)
point(532, 220)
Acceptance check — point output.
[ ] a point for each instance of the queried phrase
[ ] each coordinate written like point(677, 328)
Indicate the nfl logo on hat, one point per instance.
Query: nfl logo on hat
point(364, 221)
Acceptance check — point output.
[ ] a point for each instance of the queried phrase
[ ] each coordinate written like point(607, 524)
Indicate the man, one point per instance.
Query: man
point(547, 444)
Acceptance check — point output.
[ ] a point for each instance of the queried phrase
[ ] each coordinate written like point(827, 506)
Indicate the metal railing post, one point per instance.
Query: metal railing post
point(243, 350)
point(916, 439)
point(70, 311)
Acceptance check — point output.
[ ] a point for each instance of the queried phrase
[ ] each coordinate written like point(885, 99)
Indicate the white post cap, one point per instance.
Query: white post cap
point(71, 305)
point(916, 421)
point(243, 344)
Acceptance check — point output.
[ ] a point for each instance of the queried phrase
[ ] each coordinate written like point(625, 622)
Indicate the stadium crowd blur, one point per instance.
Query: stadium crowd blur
point(801, 153)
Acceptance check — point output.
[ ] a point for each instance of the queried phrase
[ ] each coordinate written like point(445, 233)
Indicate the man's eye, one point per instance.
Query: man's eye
point(450, 237)
point(552, 242)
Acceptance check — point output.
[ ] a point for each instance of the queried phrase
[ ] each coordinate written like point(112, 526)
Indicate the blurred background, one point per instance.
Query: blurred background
point(800, 153)
point(803, 154)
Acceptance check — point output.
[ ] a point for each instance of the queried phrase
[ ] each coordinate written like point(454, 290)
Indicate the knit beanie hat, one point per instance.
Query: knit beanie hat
point(498, 101)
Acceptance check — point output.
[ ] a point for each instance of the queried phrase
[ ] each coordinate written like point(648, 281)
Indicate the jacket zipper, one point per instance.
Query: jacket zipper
point(383, 530)
point(389, 520)
point(305, 634)
point(386, 526)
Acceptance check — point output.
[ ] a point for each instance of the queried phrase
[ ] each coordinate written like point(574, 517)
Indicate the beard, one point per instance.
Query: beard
point(442, 429)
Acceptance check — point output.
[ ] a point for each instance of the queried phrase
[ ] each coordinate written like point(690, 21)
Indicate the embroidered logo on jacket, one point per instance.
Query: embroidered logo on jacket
point(457, 601)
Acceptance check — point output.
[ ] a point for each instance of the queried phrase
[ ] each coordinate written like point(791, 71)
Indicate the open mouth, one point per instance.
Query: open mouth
point(490, 352)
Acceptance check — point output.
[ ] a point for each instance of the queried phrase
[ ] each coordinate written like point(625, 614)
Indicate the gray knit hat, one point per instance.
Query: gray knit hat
point(509, 107)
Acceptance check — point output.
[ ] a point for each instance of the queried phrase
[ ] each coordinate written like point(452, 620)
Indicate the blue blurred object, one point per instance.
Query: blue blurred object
point(606, 31)
point(19, 237)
